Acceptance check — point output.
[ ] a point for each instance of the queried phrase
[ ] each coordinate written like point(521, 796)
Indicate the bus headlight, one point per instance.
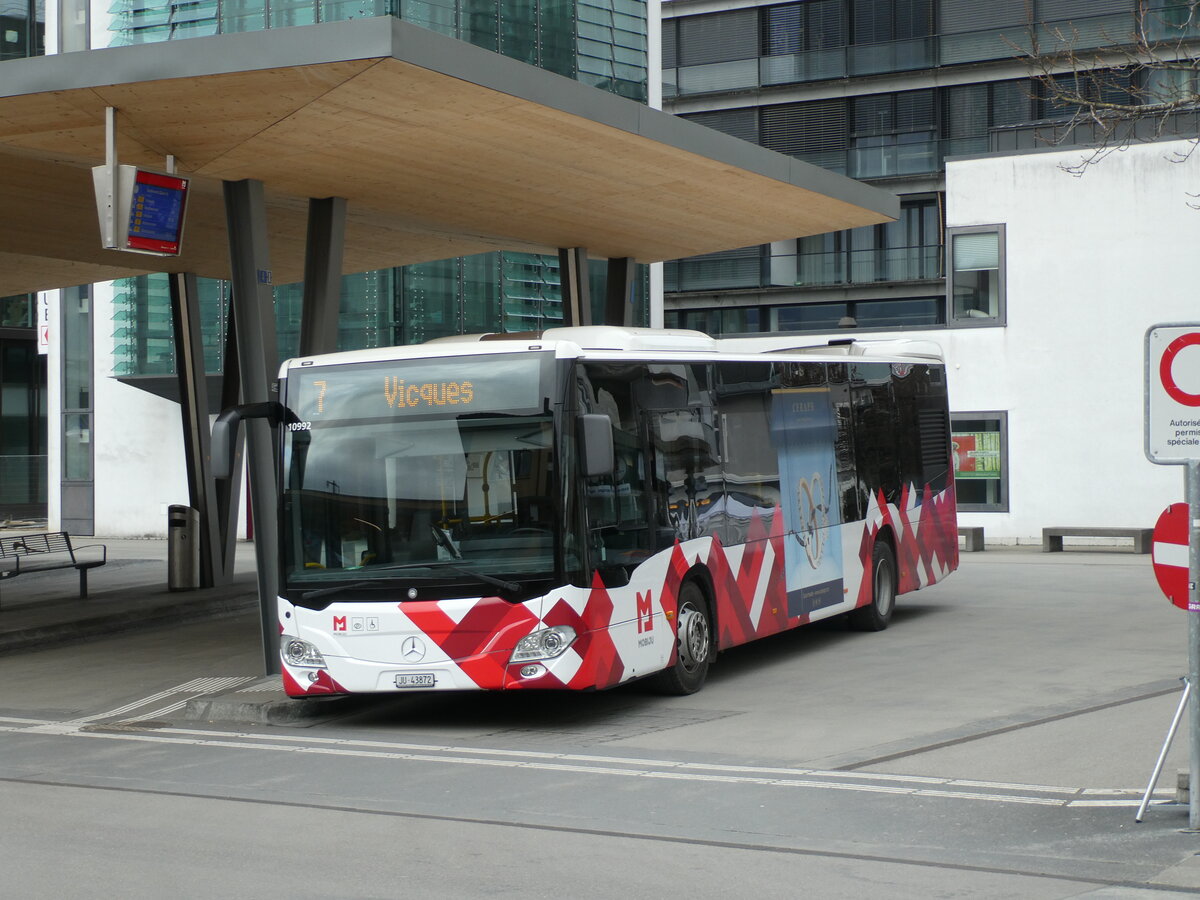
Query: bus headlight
point(546, 643)
point(301, 653)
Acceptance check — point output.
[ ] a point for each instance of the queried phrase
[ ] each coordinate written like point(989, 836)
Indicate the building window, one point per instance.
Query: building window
point(909, 249)
point(979, 441)
point(17, 311)
point(975, 285)
point(873, 315)
point(893, 134)
point(718, 322)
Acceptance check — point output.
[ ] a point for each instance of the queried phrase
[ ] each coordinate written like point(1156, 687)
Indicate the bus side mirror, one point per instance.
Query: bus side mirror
point(225, 431)
point(596, 445)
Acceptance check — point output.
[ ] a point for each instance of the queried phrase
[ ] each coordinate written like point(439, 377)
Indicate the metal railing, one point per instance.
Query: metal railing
point(750, 270)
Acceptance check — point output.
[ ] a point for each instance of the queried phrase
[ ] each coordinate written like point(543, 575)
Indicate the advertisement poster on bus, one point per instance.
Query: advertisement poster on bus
point(803, 429)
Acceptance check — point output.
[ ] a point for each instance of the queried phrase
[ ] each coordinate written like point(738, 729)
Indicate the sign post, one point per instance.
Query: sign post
point(1173, 438)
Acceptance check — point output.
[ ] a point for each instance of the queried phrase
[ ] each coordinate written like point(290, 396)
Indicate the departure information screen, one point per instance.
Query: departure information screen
point(156, 213)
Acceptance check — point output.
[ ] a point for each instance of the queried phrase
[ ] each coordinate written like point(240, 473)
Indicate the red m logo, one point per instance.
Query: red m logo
point(339, 623)
point(645, 612)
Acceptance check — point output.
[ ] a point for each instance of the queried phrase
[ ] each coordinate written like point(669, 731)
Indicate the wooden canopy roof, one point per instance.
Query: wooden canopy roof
point(440, 149)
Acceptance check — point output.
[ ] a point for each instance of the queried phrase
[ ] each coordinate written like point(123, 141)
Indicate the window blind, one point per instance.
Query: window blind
point(965, 110)
point(872, 21)
point(1052, 10)
point(958, 16)
point(914, 111)
point(811, 127)
point(914, 19)
point(783, 30)
point(720, 37)
point(741, 123)
point(826, 27)
point(1012, 102)
point(670, 43)
point(976, 252)
point(874, 115)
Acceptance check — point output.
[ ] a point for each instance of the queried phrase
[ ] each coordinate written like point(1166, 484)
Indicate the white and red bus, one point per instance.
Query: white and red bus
point(588, 506)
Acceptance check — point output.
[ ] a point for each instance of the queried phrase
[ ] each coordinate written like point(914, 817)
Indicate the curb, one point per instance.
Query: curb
point(265, 703)
point(40, 637)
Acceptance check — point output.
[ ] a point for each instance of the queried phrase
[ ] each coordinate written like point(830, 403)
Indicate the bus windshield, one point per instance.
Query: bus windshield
point(467, 499)
point(380, 500)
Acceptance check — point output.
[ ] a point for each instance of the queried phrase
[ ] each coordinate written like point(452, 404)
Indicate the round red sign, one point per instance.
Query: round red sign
point(1178, 394)
point(1170, 554)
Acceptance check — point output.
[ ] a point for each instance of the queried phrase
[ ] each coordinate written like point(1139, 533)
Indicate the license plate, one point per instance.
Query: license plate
point(416, 680)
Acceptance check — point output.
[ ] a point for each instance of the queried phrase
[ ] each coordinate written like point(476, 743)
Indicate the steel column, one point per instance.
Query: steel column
point(576, 292)
point(193, 407)
point(254, 318)
point(322, 275)
point(229, 490)
point(618, 292)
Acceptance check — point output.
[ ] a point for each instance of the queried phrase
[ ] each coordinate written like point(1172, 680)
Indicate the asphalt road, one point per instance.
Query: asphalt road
point(994, 742)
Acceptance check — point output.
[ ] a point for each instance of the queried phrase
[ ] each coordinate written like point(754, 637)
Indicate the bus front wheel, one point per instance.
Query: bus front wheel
point(876, 615)
point(693, 644)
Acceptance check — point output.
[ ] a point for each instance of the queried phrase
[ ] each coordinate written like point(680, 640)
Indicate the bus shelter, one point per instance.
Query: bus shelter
point(359, 145)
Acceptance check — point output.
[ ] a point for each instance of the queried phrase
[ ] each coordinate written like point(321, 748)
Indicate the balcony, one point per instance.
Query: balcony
point(751, 269)
point(895, 156)
point(922, 53)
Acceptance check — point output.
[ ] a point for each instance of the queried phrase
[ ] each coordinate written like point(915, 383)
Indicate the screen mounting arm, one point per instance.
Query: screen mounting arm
point(225, 431)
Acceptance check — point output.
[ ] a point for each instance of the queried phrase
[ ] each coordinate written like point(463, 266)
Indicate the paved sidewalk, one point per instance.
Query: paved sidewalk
point(43, 609)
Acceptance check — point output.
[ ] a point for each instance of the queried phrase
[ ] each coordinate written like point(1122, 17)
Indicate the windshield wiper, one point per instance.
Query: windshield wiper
point(510, 586)
point(338, 588)
point(444, 564)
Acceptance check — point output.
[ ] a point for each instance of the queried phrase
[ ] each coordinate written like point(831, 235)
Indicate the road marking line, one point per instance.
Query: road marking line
point(195, 686)
point(540, 761)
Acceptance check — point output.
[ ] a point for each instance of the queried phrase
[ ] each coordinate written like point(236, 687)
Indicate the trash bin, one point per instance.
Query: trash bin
point(183, 548)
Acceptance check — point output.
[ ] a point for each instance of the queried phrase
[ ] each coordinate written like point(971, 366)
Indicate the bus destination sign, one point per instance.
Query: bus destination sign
point(469, 384)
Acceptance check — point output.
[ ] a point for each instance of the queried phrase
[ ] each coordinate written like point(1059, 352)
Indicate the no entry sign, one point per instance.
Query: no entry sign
point(1170, 554)
point(1173, 394)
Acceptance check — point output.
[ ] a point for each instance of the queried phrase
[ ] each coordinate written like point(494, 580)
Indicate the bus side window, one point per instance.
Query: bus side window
point(616, 504)
point(751, 464)
point(843, 447)
point(687, 474)
point(875, 430)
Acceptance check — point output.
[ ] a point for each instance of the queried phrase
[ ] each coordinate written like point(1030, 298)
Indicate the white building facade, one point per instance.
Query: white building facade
point(1085, 265)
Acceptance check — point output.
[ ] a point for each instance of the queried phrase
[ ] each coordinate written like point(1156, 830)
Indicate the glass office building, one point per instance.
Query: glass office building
point(598, 42)
point(22, 369)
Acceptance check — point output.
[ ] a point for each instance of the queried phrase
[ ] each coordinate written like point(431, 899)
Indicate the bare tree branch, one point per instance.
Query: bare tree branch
point(1122, 88)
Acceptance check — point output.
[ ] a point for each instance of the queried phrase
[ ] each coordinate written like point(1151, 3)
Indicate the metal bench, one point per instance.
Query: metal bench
point(24, 553)
point(1052, 538)
point(972, 536)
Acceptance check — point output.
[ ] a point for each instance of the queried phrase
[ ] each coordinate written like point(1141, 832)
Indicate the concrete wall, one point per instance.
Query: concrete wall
point(138, 444)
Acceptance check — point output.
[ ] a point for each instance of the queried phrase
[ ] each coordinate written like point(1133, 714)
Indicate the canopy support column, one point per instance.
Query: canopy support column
point(254, 318)
point(322, 275)
point(229, 490)
point(576, 292)
point(193, 406)
point(618, 293)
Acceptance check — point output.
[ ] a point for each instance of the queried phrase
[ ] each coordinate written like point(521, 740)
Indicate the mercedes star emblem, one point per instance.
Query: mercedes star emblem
point(412, 650)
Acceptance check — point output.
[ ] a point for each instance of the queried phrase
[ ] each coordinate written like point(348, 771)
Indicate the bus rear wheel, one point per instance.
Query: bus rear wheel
point(876, 615)
point(693, 644)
